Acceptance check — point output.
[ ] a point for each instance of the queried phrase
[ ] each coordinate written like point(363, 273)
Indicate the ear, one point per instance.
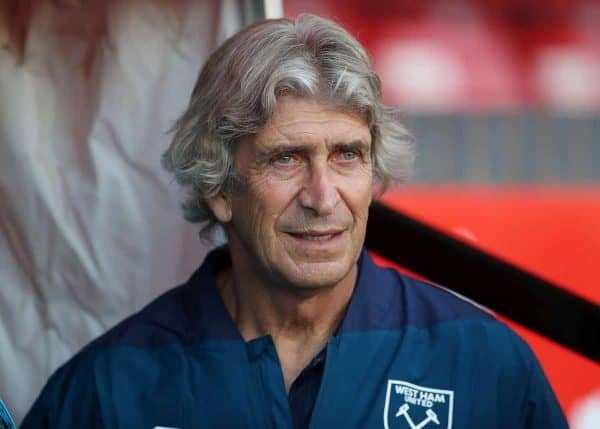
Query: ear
point(378, 189)
point(220, 205)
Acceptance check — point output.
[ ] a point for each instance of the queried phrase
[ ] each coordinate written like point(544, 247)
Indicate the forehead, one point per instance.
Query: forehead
point(307, 121)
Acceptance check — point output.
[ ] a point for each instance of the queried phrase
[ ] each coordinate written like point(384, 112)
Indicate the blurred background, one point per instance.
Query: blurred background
point(503, 97)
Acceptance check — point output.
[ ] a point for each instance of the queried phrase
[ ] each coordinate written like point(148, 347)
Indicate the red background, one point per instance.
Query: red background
point(553, 232)
point(501, 55)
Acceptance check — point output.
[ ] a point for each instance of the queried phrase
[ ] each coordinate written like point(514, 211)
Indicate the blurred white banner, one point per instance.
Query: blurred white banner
point(90, 228)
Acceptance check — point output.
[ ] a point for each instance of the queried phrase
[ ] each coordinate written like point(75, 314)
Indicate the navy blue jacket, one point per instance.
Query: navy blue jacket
point(407, 355)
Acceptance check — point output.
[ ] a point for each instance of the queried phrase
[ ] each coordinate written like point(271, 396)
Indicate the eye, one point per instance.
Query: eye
point(284, 158)
point(349, 155)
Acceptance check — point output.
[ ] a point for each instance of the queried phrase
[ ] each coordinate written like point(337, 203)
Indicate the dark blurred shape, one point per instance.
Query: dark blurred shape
point(15, 17)
point(512, 292)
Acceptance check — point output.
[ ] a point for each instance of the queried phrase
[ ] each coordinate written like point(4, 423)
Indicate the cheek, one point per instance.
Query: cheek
point(358, 193)
point(267, 200)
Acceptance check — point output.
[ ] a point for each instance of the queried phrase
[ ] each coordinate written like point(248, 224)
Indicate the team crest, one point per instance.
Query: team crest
point(408, 406)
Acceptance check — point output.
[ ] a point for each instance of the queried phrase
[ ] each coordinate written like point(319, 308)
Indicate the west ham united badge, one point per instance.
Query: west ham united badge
point(408, 406)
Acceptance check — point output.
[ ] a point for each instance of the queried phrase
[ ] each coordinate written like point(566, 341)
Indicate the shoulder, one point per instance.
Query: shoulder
point(433, 307)
point(72, 391)
point(162, 321)
point(429, 304)
point(394, 301)
point(137, 351)
point(460, 324)
point(397, 301)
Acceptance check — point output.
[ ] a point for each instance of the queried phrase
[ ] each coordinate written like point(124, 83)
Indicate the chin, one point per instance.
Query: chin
point(319, 275)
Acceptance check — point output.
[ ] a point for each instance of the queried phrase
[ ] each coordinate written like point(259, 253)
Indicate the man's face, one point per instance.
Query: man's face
point(300, 215)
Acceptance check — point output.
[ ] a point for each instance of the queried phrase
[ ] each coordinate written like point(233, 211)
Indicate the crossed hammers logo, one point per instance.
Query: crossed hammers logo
point(431, 417)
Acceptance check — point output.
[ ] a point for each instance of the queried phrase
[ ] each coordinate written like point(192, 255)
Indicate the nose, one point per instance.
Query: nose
point(319, 194)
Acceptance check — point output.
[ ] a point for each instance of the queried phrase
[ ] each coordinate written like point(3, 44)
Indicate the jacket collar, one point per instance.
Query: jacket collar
point(209, 317)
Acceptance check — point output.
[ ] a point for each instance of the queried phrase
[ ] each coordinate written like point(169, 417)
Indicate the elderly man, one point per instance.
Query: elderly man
point(291, 325)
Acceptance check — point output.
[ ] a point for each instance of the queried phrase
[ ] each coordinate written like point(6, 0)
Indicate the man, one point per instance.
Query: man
point(291, 325)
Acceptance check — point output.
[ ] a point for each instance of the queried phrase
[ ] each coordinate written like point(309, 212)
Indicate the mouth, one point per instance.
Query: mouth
point(317, 236)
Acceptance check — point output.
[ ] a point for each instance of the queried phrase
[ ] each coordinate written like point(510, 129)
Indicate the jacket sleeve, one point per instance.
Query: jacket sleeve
point(541, 410)
point(69, 400)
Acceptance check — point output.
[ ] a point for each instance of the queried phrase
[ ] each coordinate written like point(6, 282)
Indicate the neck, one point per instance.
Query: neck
point(259, 308)
point(300, 321)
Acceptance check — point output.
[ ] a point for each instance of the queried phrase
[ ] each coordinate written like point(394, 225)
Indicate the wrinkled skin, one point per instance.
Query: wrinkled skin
point(298, 219)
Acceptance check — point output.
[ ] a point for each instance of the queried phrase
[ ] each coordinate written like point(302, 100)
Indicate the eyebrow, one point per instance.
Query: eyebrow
point(358, 145)
point(269, 152)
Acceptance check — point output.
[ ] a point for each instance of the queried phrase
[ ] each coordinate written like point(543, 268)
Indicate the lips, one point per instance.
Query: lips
point(317, 235)
point(314, 237)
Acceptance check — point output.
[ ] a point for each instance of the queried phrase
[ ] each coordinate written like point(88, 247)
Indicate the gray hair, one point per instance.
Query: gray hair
point(236, 94)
